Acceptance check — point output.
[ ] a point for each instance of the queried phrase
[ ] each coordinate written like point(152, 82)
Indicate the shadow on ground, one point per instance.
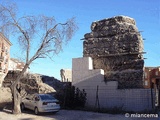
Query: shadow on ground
point(5, 105)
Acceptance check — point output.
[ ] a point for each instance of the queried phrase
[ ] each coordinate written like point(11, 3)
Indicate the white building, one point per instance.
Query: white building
point(67, 74)
point(15, 64)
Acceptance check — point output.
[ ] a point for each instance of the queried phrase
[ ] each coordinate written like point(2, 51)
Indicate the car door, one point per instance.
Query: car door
point(34, 102)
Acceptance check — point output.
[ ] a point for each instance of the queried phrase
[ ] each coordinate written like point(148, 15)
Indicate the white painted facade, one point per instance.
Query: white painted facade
point(15, 64)
point(82, 70)
point(12, 65)
point(68, 75)
point(109, 96)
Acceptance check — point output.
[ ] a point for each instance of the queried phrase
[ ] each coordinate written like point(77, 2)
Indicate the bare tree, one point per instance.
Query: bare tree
point(40, 34)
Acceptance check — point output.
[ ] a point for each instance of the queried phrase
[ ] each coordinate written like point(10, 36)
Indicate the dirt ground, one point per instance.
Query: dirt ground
point(5, 97)
point(6, 114)
point(67, 115)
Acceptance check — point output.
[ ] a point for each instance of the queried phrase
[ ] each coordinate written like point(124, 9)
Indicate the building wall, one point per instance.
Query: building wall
point(68, 75)
point(82, 69)
point(107, 93)
point(155, 72)
point(150, 75)
point(15, 64)
point(147, 77)
point(4, 56)
point(12, 65)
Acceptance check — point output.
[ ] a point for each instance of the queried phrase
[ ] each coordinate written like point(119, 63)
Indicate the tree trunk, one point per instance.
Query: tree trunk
point(16, 98)
point(15, 89)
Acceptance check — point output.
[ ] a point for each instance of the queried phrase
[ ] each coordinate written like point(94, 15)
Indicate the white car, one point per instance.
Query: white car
point(40, 103)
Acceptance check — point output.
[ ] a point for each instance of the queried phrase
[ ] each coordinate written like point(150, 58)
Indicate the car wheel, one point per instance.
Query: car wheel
point(22, 106)
point(36, 111)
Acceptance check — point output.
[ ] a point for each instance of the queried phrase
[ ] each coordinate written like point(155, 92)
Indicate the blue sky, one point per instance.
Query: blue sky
point(145, 12)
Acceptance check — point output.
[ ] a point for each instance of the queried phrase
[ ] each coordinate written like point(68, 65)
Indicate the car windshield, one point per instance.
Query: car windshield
point(46, 97)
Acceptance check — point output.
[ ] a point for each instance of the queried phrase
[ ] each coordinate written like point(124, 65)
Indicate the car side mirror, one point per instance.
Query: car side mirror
point(36, 99)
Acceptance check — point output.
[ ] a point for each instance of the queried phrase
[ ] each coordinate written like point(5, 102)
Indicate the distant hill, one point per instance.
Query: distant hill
point(30, 83)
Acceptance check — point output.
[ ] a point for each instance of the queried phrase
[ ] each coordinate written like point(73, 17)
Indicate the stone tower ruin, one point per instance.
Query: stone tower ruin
point(116, 45)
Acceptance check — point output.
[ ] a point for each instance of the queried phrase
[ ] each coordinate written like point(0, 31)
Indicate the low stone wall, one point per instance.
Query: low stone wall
point(109, 97)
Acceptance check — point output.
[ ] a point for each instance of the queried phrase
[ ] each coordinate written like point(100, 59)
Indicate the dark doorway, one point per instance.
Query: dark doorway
point(157, 93)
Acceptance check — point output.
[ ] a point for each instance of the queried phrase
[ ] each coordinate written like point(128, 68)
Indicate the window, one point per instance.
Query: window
point(37, 98)
point(6, 50)
point(145, 75)
point(3, 47)
point(6, 61)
